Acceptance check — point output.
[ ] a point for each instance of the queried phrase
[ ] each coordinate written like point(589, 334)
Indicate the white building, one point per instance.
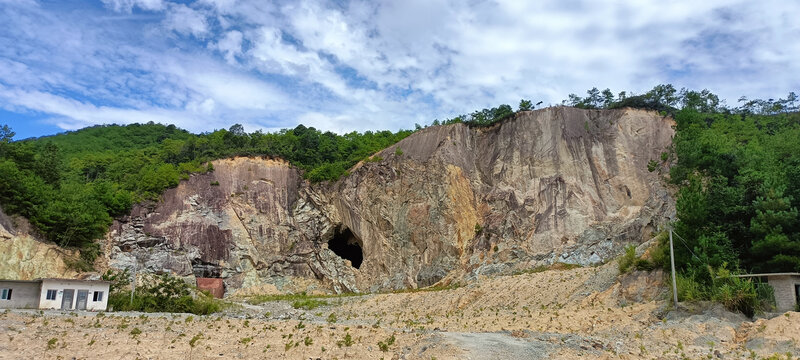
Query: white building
point(64, 294)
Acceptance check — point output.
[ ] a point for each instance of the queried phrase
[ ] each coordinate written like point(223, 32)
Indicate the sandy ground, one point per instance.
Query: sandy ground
point(577, 313)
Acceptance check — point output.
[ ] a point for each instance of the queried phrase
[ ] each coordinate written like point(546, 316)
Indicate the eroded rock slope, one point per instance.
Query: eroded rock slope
point(25, 257)
point(448, 203)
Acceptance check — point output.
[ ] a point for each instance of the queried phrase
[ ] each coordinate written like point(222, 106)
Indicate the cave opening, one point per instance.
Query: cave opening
point(347, 246)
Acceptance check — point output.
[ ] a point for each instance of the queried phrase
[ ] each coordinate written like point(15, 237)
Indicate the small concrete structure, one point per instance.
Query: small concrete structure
point(786, 287)
point(64, 294)
point(215, 286)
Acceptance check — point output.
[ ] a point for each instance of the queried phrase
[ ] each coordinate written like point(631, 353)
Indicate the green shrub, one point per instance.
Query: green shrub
point(308, 304)
point(628, 259)
point(644, 265)
point(652, 165)
point(164, 294)
point(398, 151)
point(718, 285)
point(659, 255)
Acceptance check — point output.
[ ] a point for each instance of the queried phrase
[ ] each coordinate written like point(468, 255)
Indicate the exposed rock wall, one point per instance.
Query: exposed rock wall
point(558, 184)
point(23, 257)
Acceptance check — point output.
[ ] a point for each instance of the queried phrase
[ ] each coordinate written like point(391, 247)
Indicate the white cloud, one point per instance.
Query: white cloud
point(185, 20)
point(230, 45)
point(128, 5)
point(370, 65)
point(71, 114)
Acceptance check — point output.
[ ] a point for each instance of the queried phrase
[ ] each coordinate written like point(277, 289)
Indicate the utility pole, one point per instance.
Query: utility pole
point(674, 281)
point(133, 283)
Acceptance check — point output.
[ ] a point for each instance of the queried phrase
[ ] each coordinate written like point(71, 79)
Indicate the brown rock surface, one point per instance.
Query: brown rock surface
point(552, 185)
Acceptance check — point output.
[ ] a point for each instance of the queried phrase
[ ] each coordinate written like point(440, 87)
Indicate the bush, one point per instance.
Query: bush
point(628, 259)
point(718, 285)
point(652, 165)
point(644, 265)
point(164, 294)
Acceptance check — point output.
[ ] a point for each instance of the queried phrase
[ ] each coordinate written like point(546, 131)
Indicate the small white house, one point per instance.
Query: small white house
point(64, 294)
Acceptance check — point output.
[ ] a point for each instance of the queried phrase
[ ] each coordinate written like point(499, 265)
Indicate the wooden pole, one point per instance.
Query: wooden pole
point(674, 281)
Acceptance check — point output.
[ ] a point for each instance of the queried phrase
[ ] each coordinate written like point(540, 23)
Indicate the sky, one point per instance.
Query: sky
point(370, 65)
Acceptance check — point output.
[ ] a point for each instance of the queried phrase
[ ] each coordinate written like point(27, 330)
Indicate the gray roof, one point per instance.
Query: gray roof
point(20, 281)
point(768, 274)
point(56, 279)
point(75, 280)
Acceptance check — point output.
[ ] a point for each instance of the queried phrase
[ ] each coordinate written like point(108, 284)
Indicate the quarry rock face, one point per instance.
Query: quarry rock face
point(447, 204)
point(23, 257)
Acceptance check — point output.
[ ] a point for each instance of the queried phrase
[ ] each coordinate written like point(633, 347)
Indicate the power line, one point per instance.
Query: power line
point(683, 241)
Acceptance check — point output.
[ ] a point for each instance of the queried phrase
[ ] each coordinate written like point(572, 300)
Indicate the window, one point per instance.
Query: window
point(51, 294)
point(98, 296)
point(5, 294)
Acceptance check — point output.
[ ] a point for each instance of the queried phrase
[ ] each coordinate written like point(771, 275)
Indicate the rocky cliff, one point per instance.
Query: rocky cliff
point(24, 257)
point(448, 203)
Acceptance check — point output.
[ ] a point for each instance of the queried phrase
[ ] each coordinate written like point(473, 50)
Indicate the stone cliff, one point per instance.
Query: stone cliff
point(24, 257)
point(448, 203)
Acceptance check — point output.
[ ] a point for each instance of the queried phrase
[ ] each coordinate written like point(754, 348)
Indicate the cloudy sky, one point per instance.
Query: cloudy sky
point(353, 65)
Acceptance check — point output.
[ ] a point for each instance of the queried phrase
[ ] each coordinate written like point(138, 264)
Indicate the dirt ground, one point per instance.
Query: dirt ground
point(561, 314)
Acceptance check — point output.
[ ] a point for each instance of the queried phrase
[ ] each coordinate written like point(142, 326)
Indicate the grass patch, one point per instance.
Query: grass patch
point(427, 289)
point(628, 261)
point(295, 298)
point(542, 268)
point(308, 304)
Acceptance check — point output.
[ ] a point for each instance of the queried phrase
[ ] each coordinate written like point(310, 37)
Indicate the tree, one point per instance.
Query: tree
point(663, 95)
point(775, 220)
point(593, 99)
point(49, 163)
point(5, 139)
point(703, 101)
point(6, 135)
point(525, 105)
point(608, 98)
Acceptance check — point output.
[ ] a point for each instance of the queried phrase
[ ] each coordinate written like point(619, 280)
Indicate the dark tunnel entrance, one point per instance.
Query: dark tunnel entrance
point(347, 246)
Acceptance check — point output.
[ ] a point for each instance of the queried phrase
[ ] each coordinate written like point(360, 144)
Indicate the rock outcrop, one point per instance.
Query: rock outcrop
point(448, 203)
point(24, 257)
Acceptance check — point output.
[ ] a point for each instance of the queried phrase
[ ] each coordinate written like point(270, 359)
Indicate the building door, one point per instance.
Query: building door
point(797, 293)
point(83, 295)
point(66, 300)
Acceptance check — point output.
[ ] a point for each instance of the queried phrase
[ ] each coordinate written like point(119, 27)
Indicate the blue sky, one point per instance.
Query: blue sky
point(368, 65)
